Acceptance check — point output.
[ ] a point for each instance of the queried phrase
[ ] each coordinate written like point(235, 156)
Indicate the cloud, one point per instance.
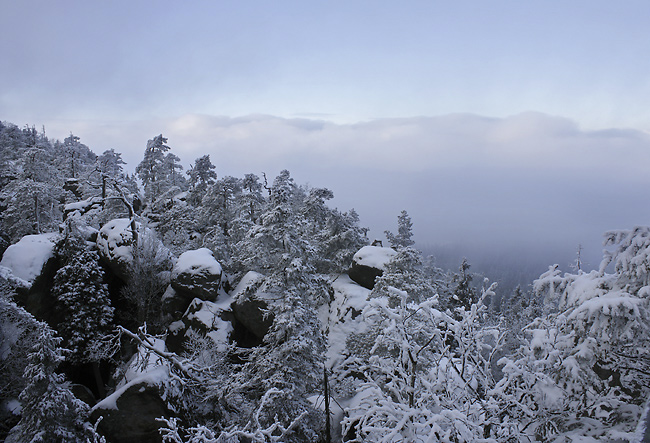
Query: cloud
point(530, 181)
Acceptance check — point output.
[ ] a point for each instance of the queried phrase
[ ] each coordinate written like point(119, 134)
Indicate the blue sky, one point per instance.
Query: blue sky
point(502, 123)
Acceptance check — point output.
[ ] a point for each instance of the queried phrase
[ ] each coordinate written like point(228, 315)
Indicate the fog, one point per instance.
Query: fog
point(526, 190)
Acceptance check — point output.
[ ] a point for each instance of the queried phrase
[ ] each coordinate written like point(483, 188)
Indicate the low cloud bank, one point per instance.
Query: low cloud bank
point(530, 182)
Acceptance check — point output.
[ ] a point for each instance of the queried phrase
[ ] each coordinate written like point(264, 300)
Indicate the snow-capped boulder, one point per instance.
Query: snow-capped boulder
point(250, 306)
point(30, 266)
point(205, 318)
point(115, 244)
point(197, 274)
point(27, 258)
point(129, 414)
point(369, 263)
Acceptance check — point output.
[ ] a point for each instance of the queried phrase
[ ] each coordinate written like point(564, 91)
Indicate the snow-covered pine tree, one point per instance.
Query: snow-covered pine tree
point(275, 240)
point(583, 370)
point(152, 169)
point(201, 175)
point(19, 330)
point(404, 235)
point(50, 412)
point(84, 302)
point(464, 293)
point(77, 157)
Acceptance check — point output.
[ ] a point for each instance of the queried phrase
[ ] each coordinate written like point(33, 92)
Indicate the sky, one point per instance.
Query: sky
point(501, 126)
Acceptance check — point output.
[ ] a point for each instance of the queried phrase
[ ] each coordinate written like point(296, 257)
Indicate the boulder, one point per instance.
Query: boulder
point(197, 274)
point(369, 263)
point(27, 258)
point(129, 414)
point(174, 304)
point(31, 265)
point(115, 245)
point(250, 305)
point(204, 318)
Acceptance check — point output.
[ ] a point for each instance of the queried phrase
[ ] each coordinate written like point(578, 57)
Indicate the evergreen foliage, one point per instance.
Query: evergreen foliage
point(50, 413)
point(83, 301)
point(418, 358)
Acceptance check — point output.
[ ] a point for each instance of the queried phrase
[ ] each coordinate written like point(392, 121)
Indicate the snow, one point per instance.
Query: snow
point(374, 256)
point(144, 362)
point(208, 314)
point(82, 205)
point(26, 258)
point(14, 406)
point(196, 262)
point(153, 377)
point(8, 275)
point(115, 238)
point(248, 281)
point(342, 316)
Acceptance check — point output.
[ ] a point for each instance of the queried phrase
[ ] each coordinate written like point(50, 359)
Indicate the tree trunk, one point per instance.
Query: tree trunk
point(98, 380)
point(328, 436)
point(37, 221)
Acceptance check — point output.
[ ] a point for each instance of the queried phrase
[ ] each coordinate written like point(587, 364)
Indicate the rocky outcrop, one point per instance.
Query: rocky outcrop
point(204, 318)
point(31, 264)
point(368, 264)
point(196, 274)
point(115, 244)
point(250, 307)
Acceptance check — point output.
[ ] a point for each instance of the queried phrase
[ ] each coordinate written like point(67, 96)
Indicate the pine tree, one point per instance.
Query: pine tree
point(290, 364)
point(152, 169)
point(404, 232)
point(78, 157)
point(83, 300)
point(464, 293)
point(50, 412)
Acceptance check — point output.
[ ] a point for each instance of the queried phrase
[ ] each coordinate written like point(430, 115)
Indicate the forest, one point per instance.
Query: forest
point(189, 306)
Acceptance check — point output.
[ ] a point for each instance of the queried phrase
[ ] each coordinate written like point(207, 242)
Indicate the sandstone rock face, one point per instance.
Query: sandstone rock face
point(368, 264)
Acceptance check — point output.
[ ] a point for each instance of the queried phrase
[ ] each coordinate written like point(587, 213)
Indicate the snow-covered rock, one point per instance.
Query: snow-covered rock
point(369, 263)
point(206, 319)
point(197, 274)
point(129, 414)
point(27, 258)
point(115, 244)
point(342, 316)
point(250, 306)
point(29, 266)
